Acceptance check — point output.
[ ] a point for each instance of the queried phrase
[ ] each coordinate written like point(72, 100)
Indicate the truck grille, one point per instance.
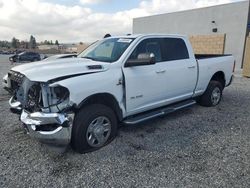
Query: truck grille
point(16, 79)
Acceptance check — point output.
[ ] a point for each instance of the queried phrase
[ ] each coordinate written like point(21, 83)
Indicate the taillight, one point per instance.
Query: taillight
point(234, 66)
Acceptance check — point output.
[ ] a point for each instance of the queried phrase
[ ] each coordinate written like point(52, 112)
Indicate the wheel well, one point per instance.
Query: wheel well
point(105, 99)
point(220, 77)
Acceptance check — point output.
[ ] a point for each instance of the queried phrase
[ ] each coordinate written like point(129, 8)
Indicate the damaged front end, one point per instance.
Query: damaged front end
point(45, 109)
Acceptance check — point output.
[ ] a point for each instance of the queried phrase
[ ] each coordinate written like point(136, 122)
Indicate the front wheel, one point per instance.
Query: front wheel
point(213, 94)
point(94, 127)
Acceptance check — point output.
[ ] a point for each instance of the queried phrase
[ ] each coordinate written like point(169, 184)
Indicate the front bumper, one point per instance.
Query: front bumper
point(15, 106)
point(60, 126)
point(53, 129)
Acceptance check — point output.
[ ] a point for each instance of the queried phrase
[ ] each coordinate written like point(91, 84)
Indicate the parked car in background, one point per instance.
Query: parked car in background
point(6, 52)
point(25, 57)
point(126, 79)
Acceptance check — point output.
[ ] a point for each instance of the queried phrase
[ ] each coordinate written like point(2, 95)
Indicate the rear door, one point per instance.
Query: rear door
point(180, 70)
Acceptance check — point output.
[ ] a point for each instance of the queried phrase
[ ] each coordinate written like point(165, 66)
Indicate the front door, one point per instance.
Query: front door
point(145, 85)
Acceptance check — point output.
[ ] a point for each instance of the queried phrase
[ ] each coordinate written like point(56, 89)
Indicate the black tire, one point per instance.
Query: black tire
point(207, 99)
point(83, 120)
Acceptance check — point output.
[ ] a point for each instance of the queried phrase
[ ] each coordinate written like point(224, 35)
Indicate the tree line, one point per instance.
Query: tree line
point(31, 44)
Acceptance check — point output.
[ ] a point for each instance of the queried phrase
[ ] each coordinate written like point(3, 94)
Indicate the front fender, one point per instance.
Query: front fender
point(81, 87)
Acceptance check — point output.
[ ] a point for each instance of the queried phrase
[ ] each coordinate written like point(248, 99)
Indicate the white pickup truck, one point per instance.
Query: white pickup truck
point(126, 80)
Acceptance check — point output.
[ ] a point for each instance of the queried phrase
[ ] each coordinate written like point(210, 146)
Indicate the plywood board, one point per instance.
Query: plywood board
point(246, 63)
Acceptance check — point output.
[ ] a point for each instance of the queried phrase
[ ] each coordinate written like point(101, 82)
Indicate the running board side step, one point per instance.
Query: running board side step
point(159, 112)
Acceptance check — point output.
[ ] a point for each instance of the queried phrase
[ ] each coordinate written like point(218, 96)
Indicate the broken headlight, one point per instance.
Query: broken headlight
point(60, 93)
point(57, 98)
point(34, 98)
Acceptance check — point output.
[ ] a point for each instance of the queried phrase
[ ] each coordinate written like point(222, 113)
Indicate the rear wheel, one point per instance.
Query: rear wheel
point(212, 95)
point(94, 127)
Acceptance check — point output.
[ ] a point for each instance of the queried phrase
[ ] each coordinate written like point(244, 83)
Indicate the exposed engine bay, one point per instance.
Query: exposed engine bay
point(38, 96)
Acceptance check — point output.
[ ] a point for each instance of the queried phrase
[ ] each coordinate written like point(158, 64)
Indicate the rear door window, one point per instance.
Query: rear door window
point(174, 49)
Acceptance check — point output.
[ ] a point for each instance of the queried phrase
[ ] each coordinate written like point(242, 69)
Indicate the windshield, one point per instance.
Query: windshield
point(22, 53)
point(108, 50)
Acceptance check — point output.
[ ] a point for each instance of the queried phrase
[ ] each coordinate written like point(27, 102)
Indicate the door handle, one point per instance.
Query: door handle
point(192, 67)
point(160, 72)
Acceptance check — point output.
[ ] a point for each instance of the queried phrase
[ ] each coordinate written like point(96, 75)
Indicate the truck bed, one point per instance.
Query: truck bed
point(208, 65)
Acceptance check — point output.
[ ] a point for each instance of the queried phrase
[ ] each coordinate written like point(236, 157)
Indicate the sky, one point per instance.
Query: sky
point(72, 21)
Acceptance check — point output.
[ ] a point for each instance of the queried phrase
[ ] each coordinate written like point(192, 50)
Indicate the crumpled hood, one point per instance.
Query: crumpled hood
point(44, 71)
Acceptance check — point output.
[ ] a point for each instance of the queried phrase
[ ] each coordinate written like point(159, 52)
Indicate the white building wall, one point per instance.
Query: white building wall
point(230, 19)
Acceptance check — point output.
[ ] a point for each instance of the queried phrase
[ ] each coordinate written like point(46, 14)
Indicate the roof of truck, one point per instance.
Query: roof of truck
point(151, 34)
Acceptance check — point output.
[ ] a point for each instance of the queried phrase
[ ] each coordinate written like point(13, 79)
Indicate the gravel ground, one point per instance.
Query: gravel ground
point(196, 147)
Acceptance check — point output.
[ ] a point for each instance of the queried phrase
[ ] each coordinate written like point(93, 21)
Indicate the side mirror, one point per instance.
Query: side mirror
point(142, 59)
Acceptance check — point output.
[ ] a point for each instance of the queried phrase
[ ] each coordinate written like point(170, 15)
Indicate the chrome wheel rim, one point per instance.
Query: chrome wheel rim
point(216, 95)
point(98, 131)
